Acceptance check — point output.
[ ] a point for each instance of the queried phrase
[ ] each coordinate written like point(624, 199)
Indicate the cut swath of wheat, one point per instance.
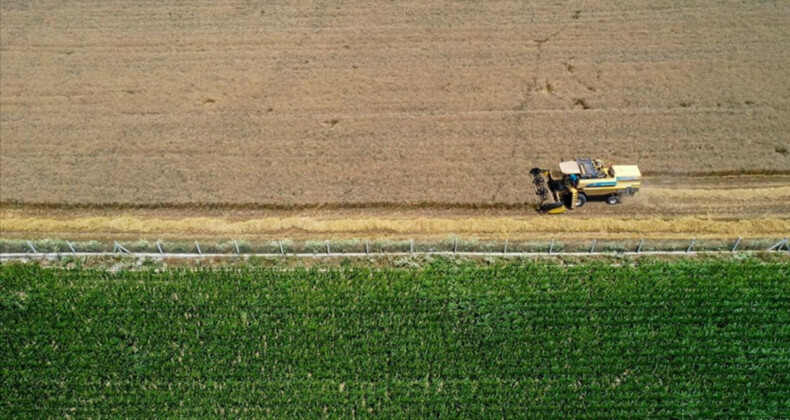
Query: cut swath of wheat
point(402, 227)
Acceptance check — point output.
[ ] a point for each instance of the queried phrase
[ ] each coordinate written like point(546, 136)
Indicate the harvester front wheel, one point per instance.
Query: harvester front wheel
point(581, 199)
point(612, 199)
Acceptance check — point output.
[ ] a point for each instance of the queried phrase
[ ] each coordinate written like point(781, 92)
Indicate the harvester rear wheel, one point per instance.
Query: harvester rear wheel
point(612, 199)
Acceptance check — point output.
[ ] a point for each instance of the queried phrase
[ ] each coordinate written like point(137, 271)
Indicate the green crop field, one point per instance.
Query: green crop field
point(683, 338)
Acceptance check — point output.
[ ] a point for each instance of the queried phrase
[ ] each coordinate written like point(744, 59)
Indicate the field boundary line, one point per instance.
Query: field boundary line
point(156, 255)
point(27, 250)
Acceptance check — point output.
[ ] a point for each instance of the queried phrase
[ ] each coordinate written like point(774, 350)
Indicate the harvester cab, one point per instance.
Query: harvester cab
point(580, 179)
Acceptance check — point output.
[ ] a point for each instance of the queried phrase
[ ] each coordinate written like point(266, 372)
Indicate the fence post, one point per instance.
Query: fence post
point(551, 247)
point(592, 248)
point(280, 244)
point(30, 244)
point(504, 251)
point(327, 247)
point(236, 243)
point(411, 246)
point(779, 245)
point(639, 248)
point(119, 248)
point(197, 245)
point(71, 246)
point(455, 246)
point(159, 247)
point(734, 247)
point(691, 245)
point(367, 247)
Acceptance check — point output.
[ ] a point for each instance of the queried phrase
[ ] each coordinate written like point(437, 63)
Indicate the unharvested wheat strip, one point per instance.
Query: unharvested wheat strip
point(395, 227)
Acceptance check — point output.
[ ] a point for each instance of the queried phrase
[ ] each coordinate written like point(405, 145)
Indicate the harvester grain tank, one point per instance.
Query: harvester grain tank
point(580, 179)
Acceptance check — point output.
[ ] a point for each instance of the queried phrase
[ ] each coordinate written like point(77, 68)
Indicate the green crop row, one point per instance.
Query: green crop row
point(509, 340)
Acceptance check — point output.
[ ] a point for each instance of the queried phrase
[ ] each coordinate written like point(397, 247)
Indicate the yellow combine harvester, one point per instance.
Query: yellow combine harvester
point(581, 179)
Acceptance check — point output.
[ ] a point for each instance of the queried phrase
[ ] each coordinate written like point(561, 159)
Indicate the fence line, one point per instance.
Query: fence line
point(781, 246)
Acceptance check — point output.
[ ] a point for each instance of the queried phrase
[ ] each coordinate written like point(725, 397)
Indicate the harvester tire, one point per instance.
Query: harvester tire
point(612, 200)
point(581, 199)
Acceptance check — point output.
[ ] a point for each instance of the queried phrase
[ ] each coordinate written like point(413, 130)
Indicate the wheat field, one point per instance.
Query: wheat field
point(722, 207)
point(432, 227)
point(308, 103)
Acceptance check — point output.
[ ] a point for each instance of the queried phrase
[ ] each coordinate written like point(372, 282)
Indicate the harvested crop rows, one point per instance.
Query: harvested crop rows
point(149, 103)
point(661, 339)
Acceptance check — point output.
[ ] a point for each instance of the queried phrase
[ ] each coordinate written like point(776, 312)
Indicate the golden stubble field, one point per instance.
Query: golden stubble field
point(304, 103)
